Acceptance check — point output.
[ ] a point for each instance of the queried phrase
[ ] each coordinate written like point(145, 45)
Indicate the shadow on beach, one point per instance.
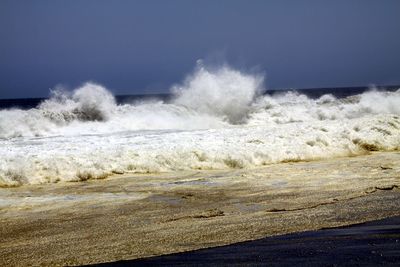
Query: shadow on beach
point(368, 244)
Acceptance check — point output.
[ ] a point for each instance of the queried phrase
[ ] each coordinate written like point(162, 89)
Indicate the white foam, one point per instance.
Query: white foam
point(216, 121)
point(224, 92)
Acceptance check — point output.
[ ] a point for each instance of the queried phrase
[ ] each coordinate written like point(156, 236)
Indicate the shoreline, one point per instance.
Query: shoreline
point(140, 216)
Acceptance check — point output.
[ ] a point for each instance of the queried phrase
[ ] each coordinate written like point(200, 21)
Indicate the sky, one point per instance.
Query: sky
point(145, 46)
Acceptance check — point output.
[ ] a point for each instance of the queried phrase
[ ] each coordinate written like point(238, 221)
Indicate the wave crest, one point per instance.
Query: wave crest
point(224, 92)
point(91, 102)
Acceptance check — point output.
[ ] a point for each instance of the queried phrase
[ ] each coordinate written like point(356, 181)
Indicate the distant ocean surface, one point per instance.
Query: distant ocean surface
point(339, 92)
point(214, 119)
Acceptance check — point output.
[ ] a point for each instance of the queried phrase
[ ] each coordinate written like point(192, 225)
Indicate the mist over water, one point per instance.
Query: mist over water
point(217, 119)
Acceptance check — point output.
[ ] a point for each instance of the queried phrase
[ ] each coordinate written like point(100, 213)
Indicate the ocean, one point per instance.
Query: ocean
point(214, 119)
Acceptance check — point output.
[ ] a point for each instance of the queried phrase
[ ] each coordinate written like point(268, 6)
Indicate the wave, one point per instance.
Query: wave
point(91, 102)
point(218, 118)
point(226, 93)
point(206, 99)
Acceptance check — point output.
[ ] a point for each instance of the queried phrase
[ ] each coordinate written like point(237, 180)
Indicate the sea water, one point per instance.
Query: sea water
point(217, 118)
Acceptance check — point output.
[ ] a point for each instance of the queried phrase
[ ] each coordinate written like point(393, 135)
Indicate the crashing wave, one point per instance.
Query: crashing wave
point(217, 119)
point(91, 102)
point(225, 92)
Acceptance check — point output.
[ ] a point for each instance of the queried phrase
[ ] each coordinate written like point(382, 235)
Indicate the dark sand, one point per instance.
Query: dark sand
point(375, 243)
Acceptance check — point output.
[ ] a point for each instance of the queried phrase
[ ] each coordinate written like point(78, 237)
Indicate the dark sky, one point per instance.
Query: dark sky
point(145, 46)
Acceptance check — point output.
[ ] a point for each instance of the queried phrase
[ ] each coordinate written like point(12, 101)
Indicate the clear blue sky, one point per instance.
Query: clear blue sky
point(145, 46)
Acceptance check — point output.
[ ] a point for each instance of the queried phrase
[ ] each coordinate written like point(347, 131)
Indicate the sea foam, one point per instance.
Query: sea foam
point(217, 119)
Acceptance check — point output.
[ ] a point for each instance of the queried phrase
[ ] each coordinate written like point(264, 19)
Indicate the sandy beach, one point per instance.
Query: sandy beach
point(136, 216)
point(199, 133)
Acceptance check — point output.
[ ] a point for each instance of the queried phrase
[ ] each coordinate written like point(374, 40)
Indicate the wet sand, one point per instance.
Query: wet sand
point(137, 216)
point(375, 243)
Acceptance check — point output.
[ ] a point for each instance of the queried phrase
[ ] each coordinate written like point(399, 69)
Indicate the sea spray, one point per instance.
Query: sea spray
point(224, 92)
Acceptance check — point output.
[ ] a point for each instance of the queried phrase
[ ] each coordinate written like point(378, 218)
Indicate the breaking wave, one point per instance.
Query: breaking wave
point(225, 93)
point(218, 118)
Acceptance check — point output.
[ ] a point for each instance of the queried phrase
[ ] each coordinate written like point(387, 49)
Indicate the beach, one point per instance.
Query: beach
point(199, 133)
point(132, 216)
point(374, 243)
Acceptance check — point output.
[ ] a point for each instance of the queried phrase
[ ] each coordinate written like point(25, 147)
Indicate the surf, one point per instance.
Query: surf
point(217, 118)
